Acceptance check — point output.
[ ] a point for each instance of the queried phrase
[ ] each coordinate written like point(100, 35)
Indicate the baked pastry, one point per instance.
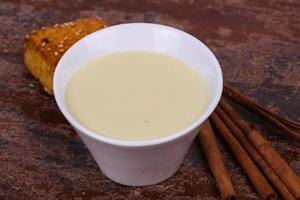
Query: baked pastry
point(43, 48)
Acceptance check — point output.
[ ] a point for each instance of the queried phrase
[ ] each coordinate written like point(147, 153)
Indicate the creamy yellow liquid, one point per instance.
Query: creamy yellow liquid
point(136, 95)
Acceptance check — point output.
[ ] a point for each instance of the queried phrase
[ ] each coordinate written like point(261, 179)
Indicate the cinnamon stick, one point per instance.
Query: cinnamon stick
point(255, 155)
point(276, 162)
point(243, 100)
point(292, 128)
point(259, 182)
point(213, 156)
point(280, 167)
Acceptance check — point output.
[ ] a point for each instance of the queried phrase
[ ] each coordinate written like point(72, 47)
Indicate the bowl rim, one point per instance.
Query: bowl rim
point(139, 143)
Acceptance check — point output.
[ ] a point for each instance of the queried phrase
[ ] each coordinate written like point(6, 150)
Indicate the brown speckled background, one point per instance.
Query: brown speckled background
point(257, 43)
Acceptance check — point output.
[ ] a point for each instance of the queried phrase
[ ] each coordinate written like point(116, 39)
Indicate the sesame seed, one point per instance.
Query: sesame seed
point(33, 31)
point(77, 33)
point(43, 44)
point(43, 28)
point(48, 49)
point(61, 50)
point(27, 36)
point(72, 23)
point(60, 45)
point(56, 25)
point(66, 37)
point(80, 30)
point(55, 53)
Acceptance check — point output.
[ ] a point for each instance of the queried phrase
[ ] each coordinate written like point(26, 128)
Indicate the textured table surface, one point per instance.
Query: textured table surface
point(257, 44)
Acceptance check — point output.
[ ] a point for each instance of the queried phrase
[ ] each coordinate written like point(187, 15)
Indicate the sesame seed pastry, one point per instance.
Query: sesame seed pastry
point(43, 48)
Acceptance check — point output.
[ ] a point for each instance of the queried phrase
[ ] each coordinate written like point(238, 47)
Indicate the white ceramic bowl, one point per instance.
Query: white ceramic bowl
point(139, 163)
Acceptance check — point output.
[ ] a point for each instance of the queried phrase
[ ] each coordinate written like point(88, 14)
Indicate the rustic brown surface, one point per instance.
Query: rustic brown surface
point(257, 44)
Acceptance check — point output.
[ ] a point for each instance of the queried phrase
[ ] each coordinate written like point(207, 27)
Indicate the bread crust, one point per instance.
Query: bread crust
point(43, 48)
